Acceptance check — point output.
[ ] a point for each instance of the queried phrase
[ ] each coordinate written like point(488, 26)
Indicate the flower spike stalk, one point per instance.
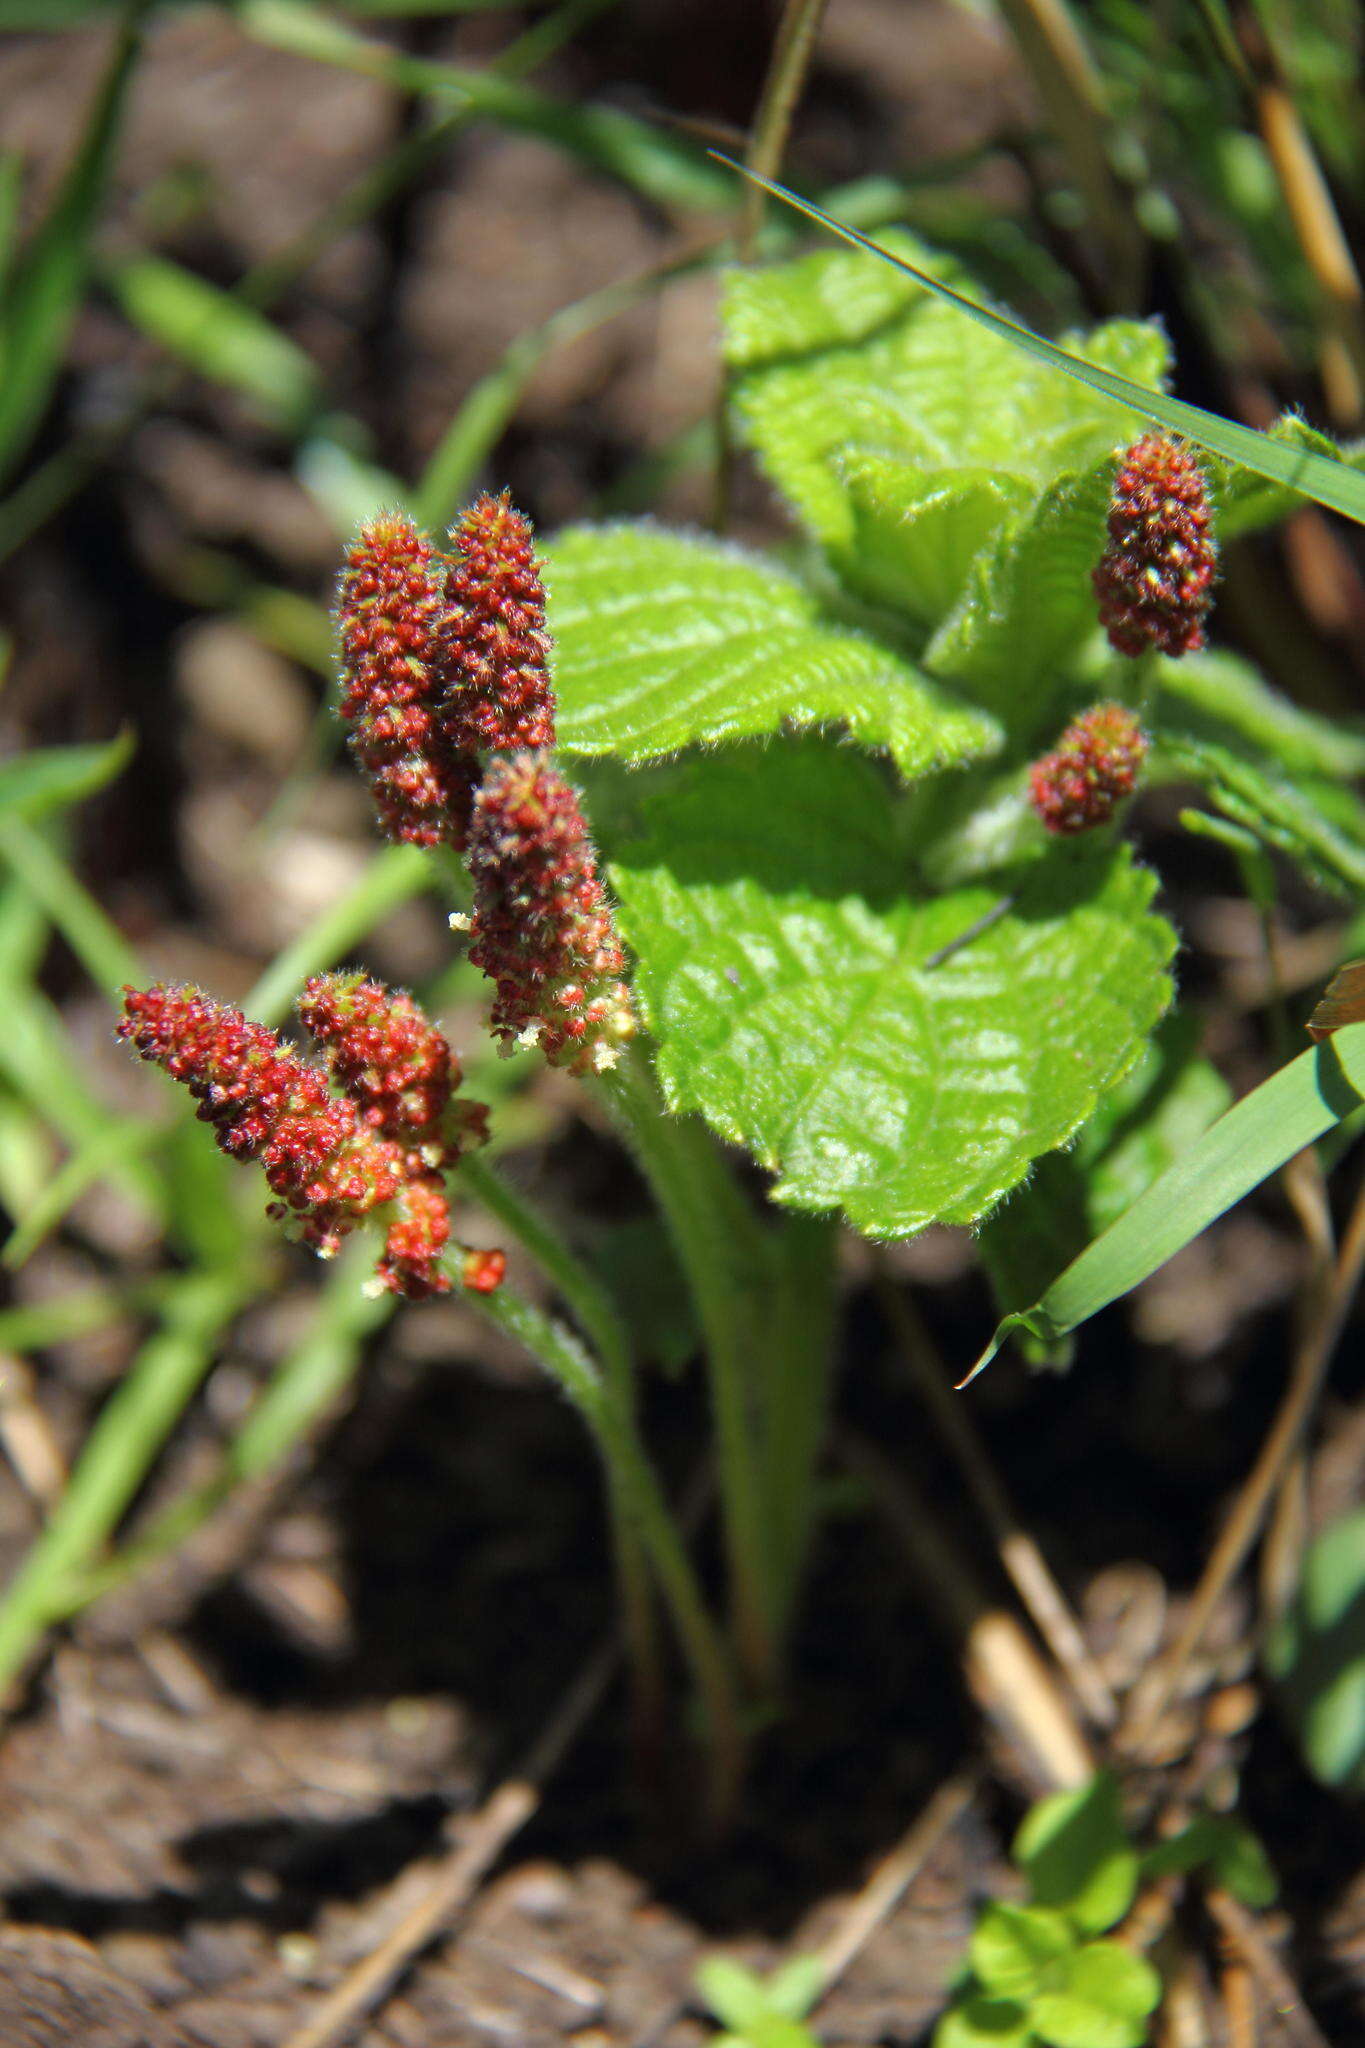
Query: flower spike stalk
point(1095, 766)
point(1154, 580)
point(327, 1159)
point(542, 928)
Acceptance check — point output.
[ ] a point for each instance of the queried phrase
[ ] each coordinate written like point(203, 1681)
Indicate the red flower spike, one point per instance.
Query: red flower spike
point(326, 1163)
point(1154, 581)
point(390, 610)
point(1095, 765)
point(393, 1064)
point(483, 1271)
point(494, 648)
point(542, 928)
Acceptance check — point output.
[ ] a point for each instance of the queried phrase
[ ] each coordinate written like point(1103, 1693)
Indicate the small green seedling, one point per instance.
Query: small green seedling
point(759, 2013)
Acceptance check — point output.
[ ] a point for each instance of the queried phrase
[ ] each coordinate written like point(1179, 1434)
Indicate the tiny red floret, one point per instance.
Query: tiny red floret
point(1095, 766)
point(327, 1160)
point(483, 1271)
point(542, 928)
point(494, 648)
point(390, 612)
point(394, 1064)
point(1155, 578)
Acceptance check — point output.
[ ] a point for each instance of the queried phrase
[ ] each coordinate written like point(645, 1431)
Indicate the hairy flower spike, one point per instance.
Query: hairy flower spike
point(1095, 765)
point(494, 647)
point(394, 1064)
point(390, 611)
point(326, 1163)
point(542, 928)
point(1154, 581)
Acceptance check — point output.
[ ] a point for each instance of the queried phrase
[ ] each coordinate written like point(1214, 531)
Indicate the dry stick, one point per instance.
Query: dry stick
point(893, 1877)
point(481, 1841)
point(1074, 101)
point(1305, 1185)
point(1043, 1598)
point(1312, 1356)
point(26, 1435)
point(1004, 1672)
point(772, 121)
point(1241, 1929)
point(1316, 224)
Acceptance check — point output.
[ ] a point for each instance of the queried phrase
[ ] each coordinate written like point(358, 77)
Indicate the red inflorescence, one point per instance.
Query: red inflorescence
point(327, 1163)
point(1154, 581)
point(494, 647)
point(1095, 765)
point(542, 928)
point(394, 1065)
point(390, 612)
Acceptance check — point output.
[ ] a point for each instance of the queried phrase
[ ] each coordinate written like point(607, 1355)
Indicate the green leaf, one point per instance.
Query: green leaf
point(664, 639)
point(755, 2016)
point(218, 335)
point(1317, 1652)
point(1029, 604)
point(1013, 1947)
point(1109, 1996)
point(1305, 470)
point(1218, 697)
point(42, 296)
point(1077, 1857)
point(984, 2022)
point(52, 778)
point(1228, 1846)
point(1256, 1136)
point(791, 982)
point(914, 532)
point(1318, 825)
point(1160, 1108)
point(795, 1985)
point(828, 358)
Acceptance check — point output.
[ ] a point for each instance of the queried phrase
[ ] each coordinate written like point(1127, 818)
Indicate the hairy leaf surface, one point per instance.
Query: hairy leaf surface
point(667, 639)
point(790, 979)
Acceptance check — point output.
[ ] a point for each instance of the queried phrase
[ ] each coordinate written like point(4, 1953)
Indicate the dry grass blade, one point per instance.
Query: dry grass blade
point(1239, 1928)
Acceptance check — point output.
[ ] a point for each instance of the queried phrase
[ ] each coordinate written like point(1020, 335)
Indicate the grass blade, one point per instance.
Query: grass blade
point(392, 877)
point(1249, 1142)
point(50, 276)
point(132, 1427)
point(1333, 484)
point(654, 164)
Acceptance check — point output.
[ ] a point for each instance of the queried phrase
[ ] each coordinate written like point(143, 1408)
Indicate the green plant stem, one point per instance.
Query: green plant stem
point(787, 68)
point(596, 1316)
point(132, 1427)
point(724, 1256)
point(797, 1362)
point(632, 1482)
point(591, 1305)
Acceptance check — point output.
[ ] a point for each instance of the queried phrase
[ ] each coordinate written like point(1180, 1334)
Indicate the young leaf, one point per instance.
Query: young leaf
point(794, 986)
point(1235, 1855)
point(1317, 1653)
point(1255, 1137)
point(1109, 1995)
point(1321, 826)
point(1029, 603)
point(1077, 1857)
point(981, 2021)
point(827, 357)
point(1216, 696)
point(1014, 1946)
point(664, 639)
point(1305, 470)
point(914, 532)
